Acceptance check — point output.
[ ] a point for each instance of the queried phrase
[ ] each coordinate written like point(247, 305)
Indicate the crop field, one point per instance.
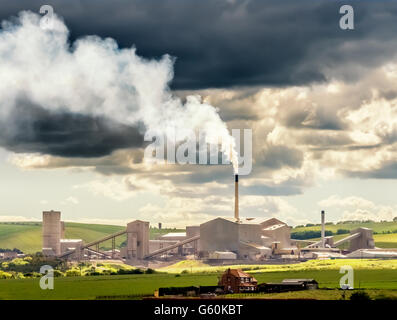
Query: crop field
point(386, 240)
point(368, 274)
point(137, 286)
point(194, 266)
point(321, 294)
point(92, 287)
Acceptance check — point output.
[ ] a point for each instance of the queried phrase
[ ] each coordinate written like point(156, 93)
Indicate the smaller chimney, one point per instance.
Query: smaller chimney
point(322, 229)
point(160, 225)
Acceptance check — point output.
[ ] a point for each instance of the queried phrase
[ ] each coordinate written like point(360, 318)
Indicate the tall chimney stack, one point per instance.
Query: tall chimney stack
point(236, 213)
point(322, 229)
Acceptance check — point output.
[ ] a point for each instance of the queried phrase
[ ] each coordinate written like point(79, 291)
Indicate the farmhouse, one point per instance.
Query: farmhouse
point(235, 281)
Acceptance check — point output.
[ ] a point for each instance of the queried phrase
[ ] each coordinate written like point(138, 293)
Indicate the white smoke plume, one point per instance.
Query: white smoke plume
point(94, 76)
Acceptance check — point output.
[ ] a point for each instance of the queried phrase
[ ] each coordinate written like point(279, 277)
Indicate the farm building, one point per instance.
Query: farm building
point(236, 281)
point(288, 285)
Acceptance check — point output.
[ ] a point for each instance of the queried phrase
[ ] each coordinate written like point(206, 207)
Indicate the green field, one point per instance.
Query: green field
point(386, 240)
point(26, 236)
point(321, 294)
point(194, 266)
point(380, 277)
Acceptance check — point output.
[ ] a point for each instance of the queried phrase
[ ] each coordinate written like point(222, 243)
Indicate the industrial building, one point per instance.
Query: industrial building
point(54, 243)
point(220, 239)
point(247, 239)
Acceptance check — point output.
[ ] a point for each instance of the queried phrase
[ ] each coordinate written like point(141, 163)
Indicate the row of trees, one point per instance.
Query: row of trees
point(12, 250)
point(310, 234)
point(342, 222)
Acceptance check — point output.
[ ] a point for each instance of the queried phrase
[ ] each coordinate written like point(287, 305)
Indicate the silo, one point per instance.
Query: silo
point(51, 232)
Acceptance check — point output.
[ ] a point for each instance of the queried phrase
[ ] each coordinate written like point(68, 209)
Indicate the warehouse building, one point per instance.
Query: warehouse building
point(245, 238)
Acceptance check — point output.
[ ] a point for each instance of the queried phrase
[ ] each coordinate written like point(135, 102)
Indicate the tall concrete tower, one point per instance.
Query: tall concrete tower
point(52, 231)
point(236, 211)
point(137, 239)
point(322, 229)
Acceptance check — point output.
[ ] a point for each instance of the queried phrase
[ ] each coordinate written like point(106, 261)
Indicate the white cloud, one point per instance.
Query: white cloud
point(111, 188)
point(17, 219)
point(379, 214)
point(177, 212)
point(97, 79)
point(115, 222)
point(352, 201)
point(70, 200)
point(357, 208)
point(125, 187)
point(29, 160)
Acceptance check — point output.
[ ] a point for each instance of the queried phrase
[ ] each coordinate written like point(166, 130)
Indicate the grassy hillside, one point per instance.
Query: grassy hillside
point(386, 240)
point(26, 236)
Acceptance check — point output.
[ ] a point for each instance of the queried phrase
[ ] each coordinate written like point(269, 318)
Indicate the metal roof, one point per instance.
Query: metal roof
point(174, 234)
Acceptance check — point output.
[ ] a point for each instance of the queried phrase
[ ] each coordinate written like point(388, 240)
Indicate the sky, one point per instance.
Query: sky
point(77, 100)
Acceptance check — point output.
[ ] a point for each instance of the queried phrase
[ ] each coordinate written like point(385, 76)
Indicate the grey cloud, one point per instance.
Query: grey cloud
point(305, 119)
point(388, 170)
point(324, 140)
point(238, 43)
point(279, 156)
point(30, 129)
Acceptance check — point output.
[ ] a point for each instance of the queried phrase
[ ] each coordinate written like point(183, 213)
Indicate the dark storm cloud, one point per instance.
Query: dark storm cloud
point(238, 43)
point(30, 128)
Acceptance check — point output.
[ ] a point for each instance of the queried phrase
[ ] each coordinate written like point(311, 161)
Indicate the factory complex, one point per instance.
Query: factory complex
point(220, 239)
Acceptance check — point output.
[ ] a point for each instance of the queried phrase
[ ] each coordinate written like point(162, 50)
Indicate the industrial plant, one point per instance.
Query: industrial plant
point(217, 240)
